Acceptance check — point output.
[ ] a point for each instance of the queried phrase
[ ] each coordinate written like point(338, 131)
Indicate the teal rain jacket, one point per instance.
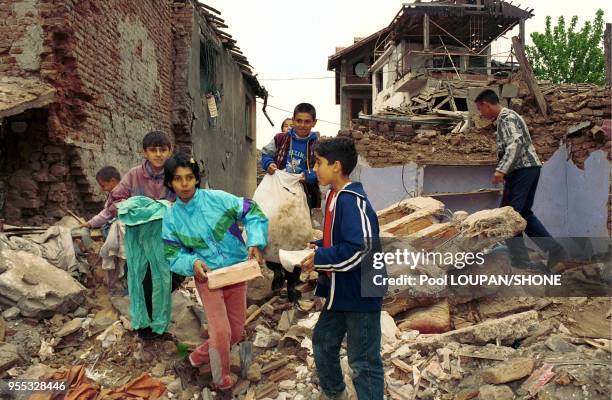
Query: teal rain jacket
point(206, 228)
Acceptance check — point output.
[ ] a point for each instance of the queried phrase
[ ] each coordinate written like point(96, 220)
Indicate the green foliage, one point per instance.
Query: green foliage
point(563, 55)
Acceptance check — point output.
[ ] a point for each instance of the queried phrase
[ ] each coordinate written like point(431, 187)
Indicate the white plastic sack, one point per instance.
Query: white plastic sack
point(281, 197)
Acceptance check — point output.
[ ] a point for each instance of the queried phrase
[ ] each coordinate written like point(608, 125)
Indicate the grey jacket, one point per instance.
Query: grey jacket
point(514, 147)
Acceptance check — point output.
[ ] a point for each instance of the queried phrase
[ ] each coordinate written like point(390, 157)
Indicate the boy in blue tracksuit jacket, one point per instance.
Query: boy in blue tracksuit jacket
point(344, 260)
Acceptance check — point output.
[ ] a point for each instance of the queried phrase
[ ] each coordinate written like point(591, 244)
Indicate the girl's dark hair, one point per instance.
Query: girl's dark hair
point(180, 160)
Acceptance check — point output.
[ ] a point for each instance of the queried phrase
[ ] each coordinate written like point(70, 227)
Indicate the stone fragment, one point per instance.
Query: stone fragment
point(557, 344)
point(11, 313)
point(69, 327)
point(55, 290)
point(388, 328)
point(505, 330)
point(431, 319)
point(9, 356)
point(265, 337)
point(286, 384)
point(490, 392)
point(508, 371)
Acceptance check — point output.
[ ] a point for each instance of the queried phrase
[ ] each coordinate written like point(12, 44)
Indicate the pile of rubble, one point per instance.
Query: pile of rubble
point(499, 344)
point(432, 128)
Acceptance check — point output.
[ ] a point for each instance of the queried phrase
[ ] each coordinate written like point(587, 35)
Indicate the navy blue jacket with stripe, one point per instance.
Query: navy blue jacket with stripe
point(354, 240)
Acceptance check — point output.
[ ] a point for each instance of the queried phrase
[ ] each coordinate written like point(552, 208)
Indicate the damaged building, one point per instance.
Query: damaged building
point(80, 85)
point(424, 137)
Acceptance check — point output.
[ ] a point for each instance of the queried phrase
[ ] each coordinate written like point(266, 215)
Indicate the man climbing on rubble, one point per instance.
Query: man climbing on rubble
point(518, 168)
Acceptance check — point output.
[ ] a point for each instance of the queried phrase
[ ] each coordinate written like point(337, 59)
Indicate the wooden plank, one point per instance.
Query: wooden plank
point(274, 365)
point(528, 75)
point(237, 273)
point(425, 32)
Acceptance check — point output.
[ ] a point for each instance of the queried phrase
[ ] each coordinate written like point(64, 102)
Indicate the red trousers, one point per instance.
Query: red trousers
point(226, 314)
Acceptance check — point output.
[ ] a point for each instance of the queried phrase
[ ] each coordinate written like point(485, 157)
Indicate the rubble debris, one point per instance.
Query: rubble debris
point(497, 392)
point(56, 290)
point(508, 371)
point(11, 313)
point(9, 356)
point(497, 222)
point(505, 330)
point(537, 380)
point(430, 319)
point(409, 206)
point(557, 344)
point(70, 327)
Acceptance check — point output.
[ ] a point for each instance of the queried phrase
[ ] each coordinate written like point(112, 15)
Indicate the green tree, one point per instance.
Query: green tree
point(564, 55)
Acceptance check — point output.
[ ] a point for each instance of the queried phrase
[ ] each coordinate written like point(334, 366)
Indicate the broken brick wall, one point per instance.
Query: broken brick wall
point(36, 181)
point(204, 67)
point(111, 64)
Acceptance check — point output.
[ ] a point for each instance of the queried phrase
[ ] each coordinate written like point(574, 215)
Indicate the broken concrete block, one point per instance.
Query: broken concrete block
point(388, 328)
point(506, 330)
point(185, 325)
point(266, 338)
point(508, 371)
point(408, 206)
point(431, 319)
point(11, 313)
point(557, 344)
point(509, 90)
point(286, 385)
point(8, 356)
point(498, 222)
point(69, 327)
point(55, 292)
point(287, 319)
point(490, 392)
point(260, 289)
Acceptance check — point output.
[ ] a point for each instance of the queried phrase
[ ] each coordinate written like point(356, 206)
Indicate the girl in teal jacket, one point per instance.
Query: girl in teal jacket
point(201, 233)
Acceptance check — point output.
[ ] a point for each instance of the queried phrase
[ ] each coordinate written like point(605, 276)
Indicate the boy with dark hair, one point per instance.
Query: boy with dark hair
point(343, 258)
point(519, 167)
point(108, 178)
point(293, 151)
point(113, 257)
point(150, 282)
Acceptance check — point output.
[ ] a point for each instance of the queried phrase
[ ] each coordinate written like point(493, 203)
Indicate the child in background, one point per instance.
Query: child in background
point(112, 252)
point(293, 151)
point(287, 125)
point(344, 259)
point(201, 234)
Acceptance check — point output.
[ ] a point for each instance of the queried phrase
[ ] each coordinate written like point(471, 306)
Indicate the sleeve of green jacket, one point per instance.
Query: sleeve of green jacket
point(254, 220)
point(179, 258)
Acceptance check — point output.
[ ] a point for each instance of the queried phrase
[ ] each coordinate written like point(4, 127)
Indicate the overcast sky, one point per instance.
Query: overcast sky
point(291, 39)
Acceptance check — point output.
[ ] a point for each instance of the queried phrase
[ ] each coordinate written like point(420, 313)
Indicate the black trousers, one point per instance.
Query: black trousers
point(519, 192)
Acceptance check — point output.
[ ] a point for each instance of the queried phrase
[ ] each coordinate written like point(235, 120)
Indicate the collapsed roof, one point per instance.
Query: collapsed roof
point(472, 23)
